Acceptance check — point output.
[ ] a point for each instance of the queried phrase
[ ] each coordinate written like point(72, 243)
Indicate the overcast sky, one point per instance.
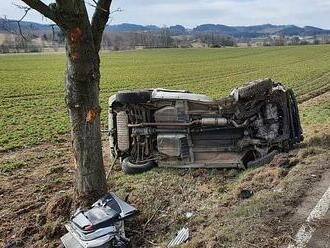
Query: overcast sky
point(191, 13)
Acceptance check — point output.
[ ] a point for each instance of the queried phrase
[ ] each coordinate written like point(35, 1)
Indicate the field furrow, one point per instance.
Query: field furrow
point(32, 109)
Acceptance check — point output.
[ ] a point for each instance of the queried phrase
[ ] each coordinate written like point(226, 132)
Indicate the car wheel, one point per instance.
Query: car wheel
point(133, 97)
point(296, 130)
point(132, 168)
point(255, 89)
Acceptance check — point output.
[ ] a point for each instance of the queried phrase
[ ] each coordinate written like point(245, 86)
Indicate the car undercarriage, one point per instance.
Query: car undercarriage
point(180, 129)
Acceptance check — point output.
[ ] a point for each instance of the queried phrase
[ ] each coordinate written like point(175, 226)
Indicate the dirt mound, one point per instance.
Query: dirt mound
point(59, 207)
point(262, 179)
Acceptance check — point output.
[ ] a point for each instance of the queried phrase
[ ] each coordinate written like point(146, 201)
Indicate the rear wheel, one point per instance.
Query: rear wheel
point(135, 168)
point(295, 126)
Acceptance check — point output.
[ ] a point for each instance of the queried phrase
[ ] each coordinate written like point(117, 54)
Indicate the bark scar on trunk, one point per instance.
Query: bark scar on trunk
point(92, 114)
point(75, 36)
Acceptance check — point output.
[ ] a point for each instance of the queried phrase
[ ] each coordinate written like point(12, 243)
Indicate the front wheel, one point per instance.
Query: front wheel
point(132, 168)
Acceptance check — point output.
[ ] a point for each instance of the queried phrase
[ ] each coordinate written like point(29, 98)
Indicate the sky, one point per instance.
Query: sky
point(192, 13)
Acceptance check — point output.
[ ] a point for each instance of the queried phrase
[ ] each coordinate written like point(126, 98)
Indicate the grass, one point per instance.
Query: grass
point(316, 112)
point(32, 112)
point(12, 165)
point(32, 108)
point(266, 218)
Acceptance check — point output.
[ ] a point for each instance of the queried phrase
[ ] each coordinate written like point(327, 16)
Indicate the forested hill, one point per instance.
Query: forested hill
point(235, 31)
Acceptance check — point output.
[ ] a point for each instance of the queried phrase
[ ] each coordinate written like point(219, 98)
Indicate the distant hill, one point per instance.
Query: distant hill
point(128, 27)
point(235, 31)
point(177, 30)
point(11, 25)
point(261, 30)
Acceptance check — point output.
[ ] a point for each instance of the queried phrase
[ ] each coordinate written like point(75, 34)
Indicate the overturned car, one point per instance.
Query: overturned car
point(180, 129)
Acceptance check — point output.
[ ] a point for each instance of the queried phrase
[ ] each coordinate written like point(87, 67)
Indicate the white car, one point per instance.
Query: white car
point(170, 128)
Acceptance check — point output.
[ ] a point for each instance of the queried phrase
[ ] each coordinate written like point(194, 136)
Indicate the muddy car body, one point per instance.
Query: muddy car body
point(181, 129)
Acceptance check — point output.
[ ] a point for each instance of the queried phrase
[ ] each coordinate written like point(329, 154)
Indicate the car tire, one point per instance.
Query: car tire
point(297, 132)
point(131, 168)
point(133, 96)
point(255, 89)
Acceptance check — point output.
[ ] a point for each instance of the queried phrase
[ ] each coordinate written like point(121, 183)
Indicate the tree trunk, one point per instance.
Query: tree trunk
point(82, 86)
point(82, 98)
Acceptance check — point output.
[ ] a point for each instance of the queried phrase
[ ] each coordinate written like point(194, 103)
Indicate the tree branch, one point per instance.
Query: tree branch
point(99, 21)
point(26, 9)
point(41, 8)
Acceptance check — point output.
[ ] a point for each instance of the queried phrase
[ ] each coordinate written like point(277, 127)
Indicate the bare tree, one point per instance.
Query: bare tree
point(82, 77)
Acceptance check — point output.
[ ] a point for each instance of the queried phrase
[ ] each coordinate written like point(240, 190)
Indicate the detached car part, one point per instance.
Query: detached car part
point(101, 226)
point(181, 237)
point(172, 128)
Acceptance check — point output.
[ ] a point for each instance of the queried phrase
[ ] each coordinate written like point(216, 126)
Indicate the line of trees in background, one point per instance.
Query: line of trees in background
point(18, 44)
point(32, 42)
point(295, 41)
point(163, 38)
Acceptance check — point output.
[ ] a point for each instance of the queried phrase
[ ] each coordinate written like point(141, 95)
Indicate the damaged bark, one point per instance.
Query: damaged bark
point(82, 80)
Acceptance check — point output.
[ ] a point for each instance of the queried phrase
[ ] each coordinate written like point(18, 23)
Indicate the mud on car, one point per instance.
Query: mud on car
point(172, 128)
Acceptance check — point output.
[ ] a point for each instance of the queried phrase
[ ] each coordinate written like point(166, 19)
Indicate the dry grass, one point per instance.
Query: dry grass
point(220, 217)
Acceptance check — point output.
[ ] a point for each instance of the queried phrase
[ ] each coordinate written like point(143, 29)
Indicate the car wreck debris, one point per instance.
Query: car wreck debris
point(101, 226)
point(189, 215)
point(171, 128)
point(246, 194)
point(181, 237)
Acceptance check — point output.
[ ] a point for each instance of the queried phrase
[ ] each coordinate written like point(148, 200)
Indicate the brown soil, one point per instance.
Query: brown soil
point(35, 198)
